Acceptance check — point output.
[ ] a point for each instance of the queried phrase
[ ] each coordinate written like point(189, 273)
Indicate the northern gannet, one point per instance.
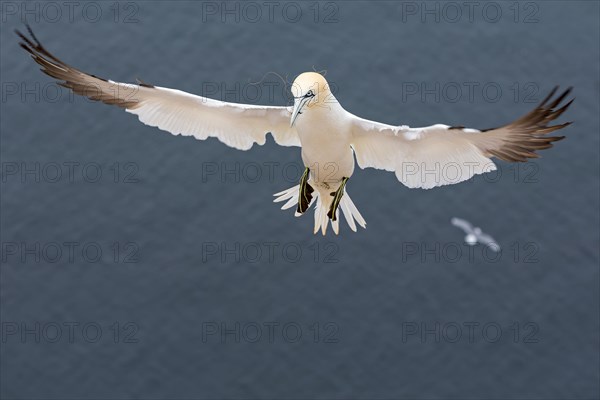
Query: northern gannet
point(329, 136)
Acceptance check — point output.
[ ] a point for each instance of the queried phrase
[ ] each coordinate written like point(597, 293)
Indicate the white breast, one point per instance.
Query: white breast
point(325, 137)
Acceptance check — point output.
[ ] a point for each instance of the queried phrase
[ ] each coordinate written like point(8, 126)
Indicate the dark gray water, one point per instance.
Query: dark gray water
point(171, 290)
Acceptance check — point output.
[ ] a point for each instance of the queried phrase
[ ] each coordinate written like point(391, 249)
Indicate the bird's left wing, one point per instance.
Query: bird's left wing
point(442, 155)
point(462, 224)
point(174, 111)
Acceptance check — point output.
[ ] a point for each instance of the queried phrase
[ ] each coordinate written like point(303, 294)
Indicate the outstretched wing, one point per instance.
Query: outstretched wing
point(488, 241)
point(441, 155)
point(174, 111)
point(462, 224)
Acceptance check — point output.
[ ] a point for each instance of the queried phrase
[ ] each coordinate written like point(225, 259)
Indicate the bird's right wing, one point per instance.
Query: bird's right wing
point(442, 155)
point(174, 111)
point(488, 241)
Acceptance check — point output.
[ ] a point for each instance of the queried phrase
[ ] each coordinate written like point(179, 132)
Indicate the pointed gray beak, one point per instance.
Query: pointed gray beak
point(298, 106)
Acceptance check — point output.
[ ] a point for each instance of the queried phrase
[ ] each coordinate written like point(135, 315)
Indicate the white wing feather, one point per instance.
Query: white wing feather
point(175, 111)
point(462, 224)
point(236, 125)
point(441, 155)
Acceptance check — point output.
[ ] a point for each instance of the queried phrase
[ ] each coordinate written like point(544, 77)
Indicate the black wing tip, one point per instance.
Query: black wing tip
point(549, 96)
point(38, 51)
point(569, 103)
point(35, 46)
point(567, 92)
point(31, 34)
point(30, 30)
point(31, 44)
point(25, 40)
point(529, 131)
point(27, 26)
point(144, 84)
point(25, 47)
point(548, 104)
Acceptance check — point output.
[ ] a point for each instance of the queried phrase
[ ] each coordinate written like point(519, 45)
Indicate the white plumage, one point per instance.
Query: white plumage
point(474, 235)
point(330, 137)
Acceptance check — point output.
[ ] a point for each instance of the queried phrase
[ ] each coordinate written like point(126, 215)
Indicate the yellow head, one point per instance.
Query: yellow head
point(310, 90)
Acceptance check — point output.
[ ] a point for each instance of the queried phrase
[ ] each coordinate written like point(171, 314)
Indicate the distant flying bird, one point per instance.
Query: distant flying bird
point(329, 136)
point(475, 235)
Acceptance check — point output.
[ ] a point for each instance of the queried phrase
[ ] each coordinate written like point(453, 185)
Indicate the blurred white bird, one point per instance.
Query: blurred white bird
point(330, 136)
point(475, 235)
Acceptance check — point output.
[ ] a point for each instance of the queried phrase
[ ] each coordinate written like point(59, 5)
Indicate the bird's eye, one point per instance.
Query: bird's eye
point(310, 93)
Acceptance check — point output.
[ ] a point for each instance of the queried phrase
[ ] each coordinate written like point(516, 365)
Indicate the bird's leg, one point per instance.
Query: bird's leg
point(305, 192)
point(337, 197)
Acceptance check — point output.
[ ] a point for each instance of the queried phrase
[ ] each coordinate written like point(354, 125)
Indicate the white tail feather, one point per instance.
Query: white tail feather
point(322, 201)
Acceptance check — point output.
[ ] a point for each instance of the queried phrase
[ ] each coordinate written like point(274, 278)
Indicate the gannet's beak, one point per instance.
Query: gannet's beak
point(298, 106)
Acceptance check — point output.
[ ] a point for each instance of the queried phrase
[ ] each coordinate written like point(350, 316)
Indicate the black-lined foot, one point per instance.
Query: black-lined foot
point(305, 193)
point(337, 197)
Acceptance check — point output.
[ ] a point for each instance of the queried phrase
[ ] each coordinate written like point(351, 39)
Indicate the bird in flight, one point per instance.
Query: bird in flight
point(330, 138)
point(474, 235)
